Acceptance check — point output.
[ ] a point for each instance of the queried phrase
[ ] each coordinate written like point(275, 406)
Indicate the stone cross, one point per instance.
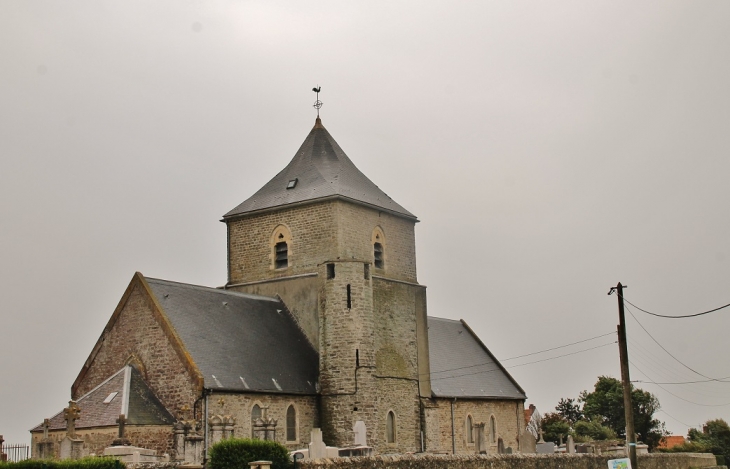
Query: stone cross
point(540, 433)
point(46, 424)
point(71, 413)
point(121, 421)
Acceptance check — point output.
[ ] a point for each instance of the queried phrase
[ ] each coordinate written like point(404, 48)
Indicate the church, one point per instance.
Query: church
point(321, 323)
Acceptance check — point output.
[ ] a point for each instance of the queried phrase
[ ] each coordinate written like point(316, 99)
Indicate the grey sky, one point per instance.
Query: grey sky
point(550, 150)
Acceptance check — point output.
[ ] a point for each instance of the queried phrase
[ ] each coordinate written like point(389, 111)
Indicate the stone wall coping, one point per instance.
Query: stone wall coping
point(456, 458)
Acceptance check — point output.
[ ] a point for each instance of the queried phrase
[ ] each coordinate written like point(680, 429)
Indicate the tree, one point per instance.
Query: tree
point(606, 405)
point(555, 427)
point(590, 430)
point(570, 410)
point(715, 436)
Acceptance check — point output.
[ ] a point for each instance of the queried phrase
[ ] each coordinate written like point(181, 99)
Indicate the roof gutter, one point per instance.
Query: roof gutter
point(226, 218)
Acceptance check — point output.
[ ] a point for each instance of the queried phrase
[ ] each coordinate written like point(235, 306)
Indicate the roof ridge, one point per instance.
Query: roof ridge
point(223, 291)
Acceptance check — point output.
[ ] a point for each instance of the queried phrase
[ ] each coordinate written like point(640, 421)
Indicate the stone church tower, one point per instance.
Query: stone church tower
point(341, 255)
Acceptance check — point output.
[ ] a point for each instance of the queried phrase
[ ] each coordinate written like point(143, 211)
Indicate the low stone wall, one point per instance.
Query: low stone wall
point(511, 461)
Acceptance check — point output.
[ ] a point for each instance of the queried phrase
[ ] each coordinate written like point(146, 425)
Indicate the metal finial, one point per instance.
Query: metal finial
point(317, 103)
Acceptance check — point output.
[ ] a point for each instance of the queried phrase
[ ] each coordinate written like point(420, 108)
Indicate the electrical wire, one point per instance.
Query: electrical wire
point(673, 317)
point(522, 364)
point(519, 356)
point(670, 392)
point(668, 352)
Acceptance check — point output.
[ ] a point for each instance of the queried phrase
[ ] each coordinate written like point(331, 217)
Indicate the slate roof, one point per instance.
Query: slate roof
point(239, 342)
point(322, 170)
point(134, 399)
point(462, 366)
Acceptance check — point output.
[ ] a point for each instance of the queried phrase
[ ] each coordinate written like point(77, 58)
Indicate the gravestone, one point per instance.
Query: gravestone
point(44, 448)
point(361, 437)
point(71, 414)
point(121, 440)
point(500, 445)
point(545, 448)
point(528, 442)
point(317, 448)
point(570, 445)
point(508, 450)
point(3, 456)
point(481, 438)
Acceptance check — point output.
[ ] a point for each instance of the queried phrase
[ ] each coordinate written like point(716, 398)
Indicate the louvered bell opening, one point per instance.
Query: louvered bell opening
point(378, 255)
point(282, 255)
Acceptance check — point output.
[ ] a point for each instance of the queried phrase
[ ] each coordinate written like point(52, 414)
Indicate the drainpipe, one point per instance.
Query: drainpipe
point(453, 436)
point(205, 433)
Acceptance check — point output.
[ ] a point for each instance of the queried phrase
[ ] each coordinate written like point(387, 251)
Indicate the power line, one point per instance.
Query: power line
point(675, 317)
point(522, 364)
point(670, 392)
point(520, 356)
point(668, 352)
point(673, 418)
point(562, 346)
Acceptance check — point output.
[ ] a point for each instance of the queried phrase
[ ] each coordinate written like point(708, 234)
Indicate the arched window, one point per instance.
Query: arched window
point(493, 429)
point(291, 424)
point(255, 415)
point(469, 429)
point(281, 247)
point(390, 427)
point(378, 248)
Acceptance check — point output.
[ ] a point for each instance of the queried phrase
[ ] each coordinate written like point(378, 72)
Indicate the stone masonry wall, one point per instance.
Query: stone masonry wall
point(508, 414)
point(510, 461)
point(320, 232)
point(158, 438)
point(239, 406)
point(138, 338)
point(354, 233)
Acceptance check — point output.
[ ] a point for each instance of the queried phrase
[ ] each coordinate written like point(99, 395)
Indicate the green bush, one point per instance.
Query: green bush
point(237, 453)
point(85, 463)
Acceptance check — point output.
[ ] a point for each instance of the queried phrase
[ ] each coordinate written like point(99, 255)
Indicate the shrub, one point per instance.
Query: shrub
point(237, 453)
point(85, 463)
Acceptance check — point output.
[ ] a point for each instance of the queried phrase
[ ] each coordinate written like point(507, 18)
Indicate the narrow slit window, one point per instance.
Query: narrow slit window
point(367, 271)
point(390, 427)
point(357, 357)
point(282, 255)
point(378, 254)
point(349, 297)
point(469, 429)
point(330, 271)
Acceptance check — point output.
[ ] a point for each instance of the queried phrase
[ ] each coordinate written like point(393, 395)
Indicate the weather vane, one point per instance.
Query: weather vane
point(317, 103)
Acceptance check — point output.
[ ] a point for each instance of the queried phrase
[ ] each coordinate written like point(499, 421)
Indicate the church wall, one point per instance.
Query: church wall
point(300, 296)
point(137, 338)
point(509, 416)
point(239, 407)
point(250, 242)
point(401, 397)
point(156, 437)
point(354, 234)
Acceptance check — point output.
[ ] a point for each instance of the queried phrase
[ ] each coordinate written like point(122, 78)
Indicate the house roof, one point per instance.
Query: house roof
point(321, 170)
point(239, 342)
point(671, 441)
point(462, 366)
point(125, 392)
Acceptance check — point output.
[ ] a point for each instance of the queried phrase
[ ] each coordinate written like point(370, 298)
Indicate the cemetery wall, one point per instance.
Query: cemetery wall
point(510, 461)
point(509, 418)
point(156, 437)
point(137, 337)
point(239, 407)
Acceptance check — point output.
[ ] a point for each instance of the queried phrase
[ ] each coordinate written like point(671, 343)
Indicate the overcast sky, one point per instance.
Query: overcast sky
point(550, 150)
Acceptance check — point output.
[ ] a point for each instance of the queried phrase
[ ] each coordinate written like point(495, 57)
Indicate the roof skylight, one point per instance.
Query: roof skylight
point(292, 183)
point(110, 398)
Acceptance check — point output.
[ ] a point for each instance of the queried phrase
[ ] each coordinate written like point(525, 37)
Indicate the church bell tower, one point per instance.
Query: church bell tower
point(341, 254)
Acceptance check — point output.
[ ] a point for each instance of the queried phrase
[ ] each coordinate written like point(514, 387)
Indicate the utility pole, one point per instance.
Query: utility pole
point(625, 379)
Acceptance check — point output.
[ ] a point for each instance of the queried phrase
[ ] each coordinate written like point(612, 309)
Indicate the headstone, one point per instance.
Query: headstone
point(121, 440)
point(528, 443)
point(500, 445)
point(545, 448)
point(481, 438)
point(229, 425)
point(215, 423)
point(178, 440)
point(44, 448)
point(264, 428)
point(583, 449)
point(260, 465)
point(71, 448)
point(71, 414)
point(508, 450)
point(570, 445)
point(317, 448)
point(540, 433)
point(361, 437)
